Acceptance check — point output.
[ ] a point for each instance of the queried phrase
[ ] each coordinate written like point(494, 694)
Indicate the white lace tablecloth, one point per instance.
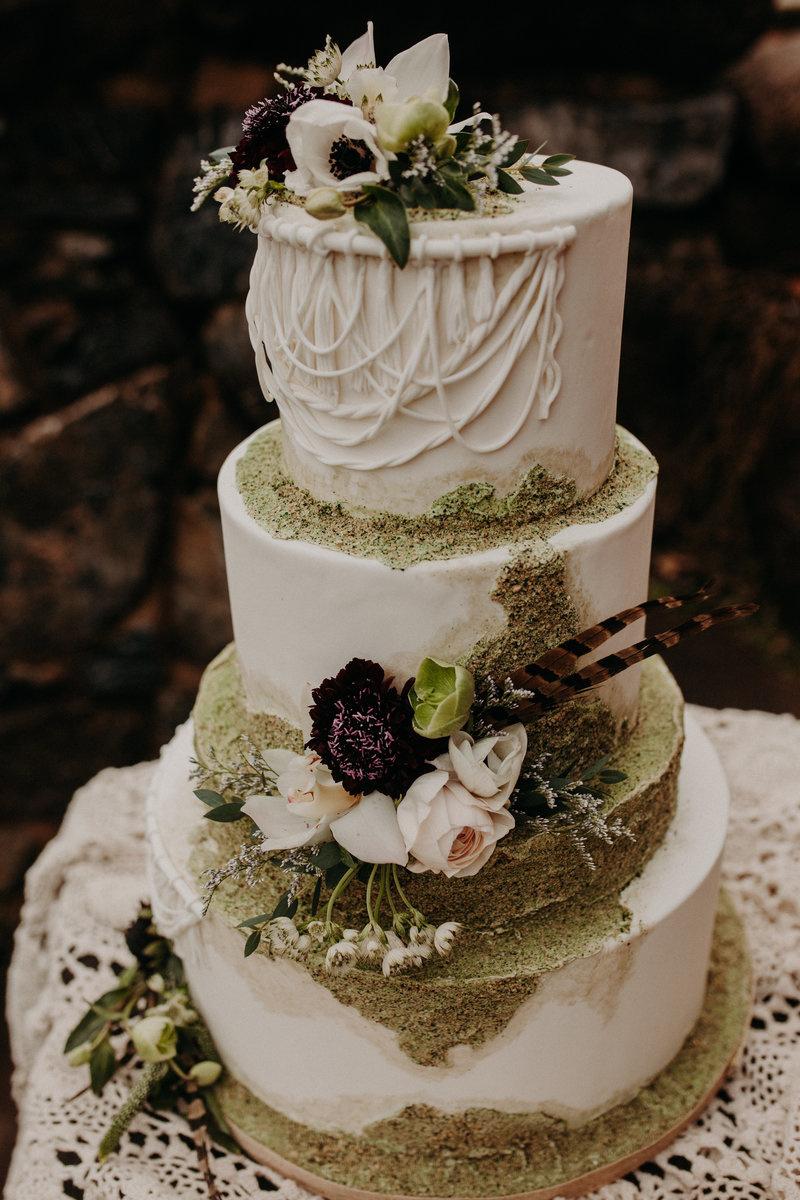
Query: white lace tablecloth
point(86, 887)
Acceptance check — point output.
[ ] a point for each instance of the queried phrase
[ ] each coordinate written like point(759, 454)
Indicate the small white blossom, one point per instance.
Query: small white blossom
point(371, 948)
point(444, 937)
point(351, 935)
point(211, 177)
point(341, 958)
point(316, 932)
point(417, 953)
point(395, 961)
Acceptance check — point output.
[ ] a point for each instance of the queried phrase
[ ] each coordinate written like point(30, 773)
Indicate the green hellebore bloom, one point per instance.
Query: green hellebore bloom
point(325, 204)
point(155, 1039)
point(441, 697)
point(206, 1073)
point(399, 124)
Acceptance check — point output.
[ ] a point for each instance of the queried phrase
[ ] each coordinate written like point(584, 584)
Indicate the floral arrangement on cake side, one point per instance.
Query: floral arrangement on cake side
point(345, 135)
point(427, 777)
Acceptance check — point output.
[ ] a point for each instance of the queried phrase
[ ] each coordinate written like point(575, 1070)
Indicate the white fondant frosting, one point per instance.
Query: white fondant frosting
point(301, 611)
point(593, 1033)
point(497, 346)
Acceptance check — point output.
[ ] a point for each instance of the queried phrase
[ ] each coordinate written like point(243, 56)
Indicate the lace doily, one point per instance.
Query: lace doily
point(86, 887)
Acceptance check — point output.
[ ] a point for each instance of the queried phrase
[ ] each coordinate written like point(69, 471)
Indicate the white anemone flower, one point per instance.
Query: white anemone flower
point(422, 70)
point(332, 146)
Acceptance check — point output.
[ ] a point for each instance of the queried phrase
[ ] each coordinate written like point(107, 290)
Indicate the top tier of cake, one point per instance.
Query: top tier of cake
point(495, 351)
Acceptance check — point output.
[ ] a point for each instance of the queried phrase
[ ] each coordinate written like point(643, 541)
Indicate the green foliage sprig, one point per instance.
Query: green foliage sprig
point(576, 800)
point(148, 1021)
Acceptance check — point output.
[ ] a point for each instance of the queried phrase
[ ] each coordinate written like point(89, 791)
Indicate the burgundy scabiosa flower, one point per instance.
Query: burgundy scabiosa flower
point(362, 730)
point(264, 133)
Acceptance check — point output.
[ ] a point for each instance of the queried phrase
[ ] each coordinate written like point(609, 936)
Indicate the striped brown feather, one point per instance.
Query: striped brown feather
point(549, 668)
point(614, 664)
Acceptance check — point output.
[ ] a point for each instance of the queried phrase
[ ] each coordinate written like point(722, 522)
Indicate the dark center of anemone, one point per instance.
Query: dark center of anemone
point(348, 156)
point(361, 743)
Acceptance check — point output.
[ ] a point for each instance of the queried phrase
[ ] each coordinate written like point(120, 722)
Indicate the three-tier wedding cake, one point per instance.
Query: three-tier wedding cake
point(438, 848)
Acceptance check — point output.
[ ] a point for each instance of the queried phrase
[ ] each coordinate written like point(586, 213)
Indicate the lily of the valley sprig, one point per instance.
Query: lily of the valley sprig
point(345, 135)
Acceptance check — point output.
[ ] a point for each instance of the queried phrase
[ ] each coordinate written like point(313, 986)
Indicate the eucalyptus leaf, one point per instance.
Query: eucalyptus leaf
point(327, 855)
point(102, 1065)
point(225, 813)
point(537, 175)
point(286, 907)
point(514, 154)
point(261, 919)
point(558, 160)
point(209, 797)
point(507, 183)
point(252, 943)
point(557, 171)
point(90, 1024)
point(384, 213)
point(315, 899)
point(612, 776)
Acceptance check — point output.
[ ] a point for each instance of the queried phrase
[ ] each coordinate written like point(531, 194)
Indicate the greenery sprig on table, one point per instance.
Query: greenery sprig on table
point(148, 1021)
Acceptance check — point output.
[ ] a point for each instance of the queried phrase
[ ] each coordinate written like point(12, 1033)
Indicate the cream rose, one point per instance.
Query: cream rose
point(488, 768)
point(446, 829)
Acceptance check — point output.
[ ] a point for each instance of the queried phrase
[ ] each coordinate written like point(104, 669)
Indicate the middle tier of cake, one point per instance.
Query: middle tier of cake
point(483, 580)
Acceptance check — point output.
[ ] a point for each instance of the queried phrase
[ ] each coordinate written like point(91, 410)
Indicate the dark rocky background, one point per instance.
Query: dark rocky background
point(126, 373)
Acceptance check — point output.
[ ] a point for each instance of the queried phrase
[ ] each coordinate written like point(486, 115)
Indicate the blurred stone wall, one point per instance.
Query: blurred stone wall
point(126, 374)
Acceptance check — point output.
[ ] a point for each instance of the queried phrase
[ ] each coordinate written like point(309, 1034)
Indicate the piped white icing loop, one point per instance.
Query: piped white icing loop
point(346, 350)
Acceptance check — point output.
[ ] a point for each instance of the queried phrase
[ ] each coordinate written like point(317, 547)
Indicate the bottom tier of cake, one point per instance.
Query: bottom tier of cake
point(607, 1029)
point(481, 1152)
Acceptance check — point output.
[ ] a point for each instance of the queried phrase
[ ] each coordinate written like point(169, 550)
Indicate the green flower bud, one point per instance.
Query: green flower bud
point(206, 1073)
point(446, 146)
point(155, 1039)
point(441, 698)
point(399, 124)
point(80, 1056)
point(325, 204)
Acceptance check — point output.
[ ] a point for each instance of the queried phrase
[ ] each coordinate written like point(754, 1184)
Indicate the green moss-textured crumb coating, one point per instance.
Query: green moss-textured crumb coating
point(482, 1152)
point(221, 715)
point(543, 865)
point(470, 518)
point(536, 865)
point(535, 905)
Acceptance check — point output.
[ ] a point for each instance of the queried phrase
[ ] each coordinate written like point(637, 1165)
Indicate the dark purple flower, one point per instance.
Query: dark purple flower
point(264, 133)
point(362, 730)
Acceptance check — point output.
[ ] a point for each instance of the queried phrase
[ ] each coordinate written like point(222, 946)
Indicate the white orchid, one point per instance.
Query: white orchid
point(310, 807)
point(371, 832)
point(488, 768)
point(332, 146)
point(307, 800)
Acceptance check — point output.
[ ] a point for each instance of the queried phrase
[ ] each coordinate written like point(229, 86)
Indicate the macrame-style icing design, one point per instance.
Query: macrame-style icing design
point(348, 350)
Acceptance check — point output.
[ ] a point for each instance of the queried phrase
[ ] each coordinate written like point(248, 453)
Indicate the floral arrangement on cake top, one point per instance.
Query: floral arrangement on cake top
point(345, 135)
point(429, 777)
